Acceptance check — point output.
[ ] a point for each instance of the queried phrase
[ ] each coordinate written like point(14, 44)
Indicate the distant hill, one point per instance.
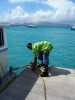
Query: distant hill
point(41, 24)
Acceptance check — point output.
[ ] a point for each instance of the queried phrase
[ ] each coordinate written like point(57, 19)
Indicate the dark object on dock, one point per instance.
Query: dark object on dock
point(39, 69)
point(43, 71)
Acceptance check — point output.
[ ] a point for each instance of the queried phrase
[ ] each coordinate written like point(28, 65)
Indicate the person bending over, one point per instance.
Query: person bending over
point(41, 52)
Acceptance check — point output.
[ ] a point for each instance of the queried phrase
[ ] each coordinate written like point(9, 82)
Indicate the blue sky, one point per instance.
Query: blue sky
point(55, 11)
point(28, 6)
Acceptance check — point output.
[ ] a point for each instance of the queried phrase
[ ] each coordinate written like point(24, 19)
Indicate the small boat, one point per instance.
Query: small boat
point(3, 53)
point(73, 28)
point(31, 26)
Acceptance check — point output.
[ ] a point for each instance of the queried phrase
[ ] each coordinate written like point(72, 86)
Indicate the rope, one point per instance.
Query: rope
point(44, 87)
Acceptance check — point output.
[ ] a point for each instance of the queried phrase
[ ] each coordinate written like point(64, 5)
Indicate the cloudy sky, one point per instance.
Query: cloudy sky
point(54, 11)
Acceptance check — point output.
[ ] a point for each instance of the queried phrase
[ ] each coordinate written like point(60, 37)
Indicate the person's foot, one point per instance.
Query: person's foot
point(44, 74)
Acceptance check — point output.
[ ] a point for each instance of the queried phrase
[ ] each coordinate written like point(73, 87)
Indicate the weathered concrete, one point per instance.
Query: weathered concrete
point(37, 92)
point(59, 86)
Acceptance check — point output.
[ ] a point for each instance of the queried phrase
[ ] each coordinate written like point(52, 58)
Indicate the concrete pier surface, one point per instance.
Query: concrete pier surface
point(59, 86)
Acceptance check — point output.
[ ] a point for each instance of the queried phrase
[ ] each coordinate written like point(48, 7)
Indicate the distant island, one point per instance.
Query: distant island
point(41, 24)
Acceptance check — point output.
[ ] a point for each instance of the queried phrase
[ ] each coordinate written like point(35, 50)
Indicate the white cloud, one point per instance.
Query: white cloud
point(43, 16)
point(20, 15)
point(15, 15)
point(60, 3)
point(64, 11)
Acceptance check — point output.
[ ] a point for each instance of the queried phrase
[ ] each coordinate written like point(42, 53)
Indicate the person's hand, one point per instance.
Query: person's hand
point(33, 62)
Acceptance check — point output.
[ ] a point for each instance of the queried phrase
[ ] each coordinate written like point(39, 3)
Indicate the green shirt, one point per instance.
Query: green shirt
point(42, 46)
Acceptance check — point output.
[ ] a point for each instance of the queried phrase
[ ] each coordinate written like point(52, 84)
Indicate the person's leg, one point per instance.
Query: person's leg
point(40, 57)
point(46, 62)
point(46, 59)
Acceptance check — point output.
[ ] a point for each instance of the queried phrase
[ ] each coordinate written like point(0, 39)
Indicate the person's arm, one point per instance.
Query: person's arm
point(34, 63)
point(35, 59)
point(34, 56)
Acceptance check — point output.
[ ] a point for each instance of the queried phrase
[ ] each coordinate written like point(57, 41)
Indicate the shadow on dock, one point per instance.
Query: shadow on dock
point(58, 71)
point(22, 86)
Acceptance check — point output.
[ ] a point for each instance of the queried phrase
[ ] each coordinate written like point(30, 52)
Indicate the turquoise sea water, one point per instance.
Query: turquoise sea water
point(63, 40)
